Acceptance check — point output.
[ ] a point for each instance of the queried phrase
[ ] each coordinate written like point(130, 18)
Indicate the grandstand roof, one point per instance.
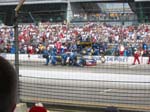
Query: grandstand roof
point(14, 2)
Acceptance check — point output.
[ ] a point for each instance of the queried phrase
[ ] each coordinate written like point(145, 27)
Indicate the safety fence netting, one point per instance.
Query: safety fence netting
point(99, 59)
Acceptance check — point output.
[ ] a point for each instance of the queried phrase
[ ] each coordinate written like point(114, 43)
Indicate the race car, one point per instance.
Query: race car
point(90, 62)
point(68, 58)
point(82, 61)
point(72, 59)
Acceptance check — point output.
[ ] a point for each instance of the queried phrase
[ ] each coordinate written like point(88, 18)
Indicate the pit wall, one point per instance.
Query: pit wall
point(108, 59)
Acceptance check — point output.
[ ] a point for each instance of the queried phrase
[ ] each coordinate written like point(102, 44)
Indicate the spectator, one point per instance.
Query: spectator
point(8, 86)
point(38, 108)
point(32, 39)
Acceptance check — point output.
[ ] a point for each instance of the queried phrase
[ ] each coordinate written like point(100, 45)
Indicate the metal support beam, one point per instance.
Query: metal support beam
point(141, 14)
point(69, 12)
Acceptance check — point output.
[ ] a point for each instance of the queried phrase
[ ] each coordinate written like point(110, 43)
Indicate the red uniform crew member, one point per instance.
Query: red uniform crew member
point(136, 57)
point(148, 57)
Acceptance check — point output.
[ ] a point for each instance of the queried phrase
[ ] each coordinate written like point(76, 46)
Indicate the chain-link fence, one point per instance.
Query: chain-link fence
point(100, 59)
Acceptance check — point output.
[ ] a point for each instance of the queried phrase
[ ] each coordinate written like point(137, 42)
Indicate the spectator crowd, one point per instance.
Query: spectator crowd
point(113, 40)
point(117, 16)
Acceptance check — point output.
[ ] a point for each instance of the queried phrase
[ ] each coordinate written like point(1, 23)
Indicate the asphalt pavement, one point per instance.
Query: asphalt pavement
point(122, 94)
point(139, 69)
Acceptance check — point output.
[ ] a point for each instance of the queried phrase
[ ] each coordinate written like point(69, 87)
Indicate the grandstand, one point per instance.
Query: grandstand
point(14, 2)
point(58, 11)
point(107, 75)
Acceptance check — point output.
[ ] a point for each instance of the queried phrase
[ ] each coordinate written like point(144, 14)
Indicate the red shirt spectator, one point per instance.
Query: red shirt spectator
point(58, 45)
point(61, 35)
point(37, 109)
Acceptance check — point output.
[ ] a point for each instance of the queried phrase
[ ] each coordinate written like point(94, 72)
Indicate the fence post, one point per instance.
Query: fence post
point(16, 52)
point(17, 45)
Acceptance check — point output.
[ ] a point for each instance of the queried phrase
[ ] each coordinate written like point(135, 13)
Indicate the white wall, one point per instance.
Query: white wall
point(109, 59)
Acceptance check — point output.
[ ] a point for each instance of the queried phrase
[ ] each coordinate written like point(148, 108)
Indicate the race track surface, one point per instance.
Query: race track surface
point(123, 86)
